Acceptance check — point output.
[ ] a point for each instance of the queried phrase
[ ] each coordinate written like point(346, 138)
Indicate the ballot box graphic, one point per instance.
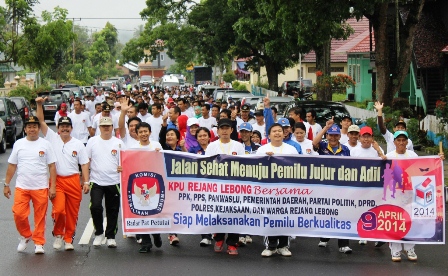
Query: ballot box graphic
point(424, 192)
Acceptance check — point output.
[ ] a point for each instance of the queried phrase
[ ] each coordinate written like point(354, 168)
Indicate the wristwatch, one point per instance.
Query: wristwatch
point(5, 184)
point(86, 183)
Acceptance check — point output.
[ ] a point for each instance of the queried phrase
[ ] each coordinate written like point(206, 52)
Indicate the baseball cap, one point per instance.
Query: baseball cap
point(105, 107)
point(65, 120)
point(31, 120)
point(284, 122)
point(229, 98)
point(224, 122)
point(170, 100)
point(63, 105)
point(334, 129)
point(400, 123)
point(245, 108)
point(259, 113)
point(246, 126)
point(400, 132)
point(192, 121)
point(106, 121)
point(345, 116)
point(232, 105)
point(365, 130)
point(353, 128)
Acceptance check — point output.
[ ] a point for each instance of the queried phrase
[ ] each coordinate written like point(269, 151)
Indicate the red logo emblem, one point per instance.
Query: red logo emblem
point(114, 152)
point(234, 153)
point(74, 153)
point(41, 153)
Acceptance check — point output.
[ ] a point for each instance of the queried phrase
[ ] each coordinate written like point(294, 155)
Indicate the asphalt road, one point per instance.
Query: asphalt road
point(189, 259)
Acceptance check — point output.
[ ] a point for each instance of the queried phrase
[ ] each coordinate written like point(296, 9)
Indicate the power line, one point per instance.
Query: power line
point(109, 18)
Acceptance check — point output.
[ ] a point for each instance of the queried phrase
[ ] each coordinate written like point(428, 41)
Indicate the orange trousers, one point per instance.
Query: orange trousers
point(66, 206)
point(21, 211)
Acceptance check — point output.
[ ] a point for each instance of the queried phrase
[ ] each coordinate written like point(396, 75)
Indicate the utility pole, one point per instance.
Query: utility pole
point(73, 42)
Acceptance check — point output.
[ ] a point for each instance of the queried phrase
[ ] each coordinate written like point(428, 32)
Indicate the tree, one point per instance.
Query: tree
point(110, 35)
point(99, 53)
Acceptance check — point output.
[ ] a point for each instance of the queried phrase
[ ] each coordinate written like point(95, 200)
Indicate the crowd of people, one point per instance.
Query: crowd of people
point(83, 156)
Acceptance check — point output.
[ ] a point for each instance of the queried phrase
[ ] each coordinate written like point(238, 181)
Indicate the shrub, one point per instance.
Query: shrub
point(229, 76)
point(23, 91)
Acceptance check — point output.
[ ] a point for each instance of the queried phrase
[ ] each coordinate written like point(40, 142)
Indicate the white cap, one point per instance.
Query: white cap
point(192, 121)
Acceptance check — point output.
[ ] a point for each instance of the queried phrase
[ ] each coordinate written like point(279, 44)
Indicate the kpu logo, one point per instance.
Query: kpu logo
point(146, 193)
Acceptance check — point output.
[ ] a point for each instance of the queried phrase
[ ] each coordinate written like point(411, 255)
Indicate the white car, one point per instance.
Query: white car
point(2, 136)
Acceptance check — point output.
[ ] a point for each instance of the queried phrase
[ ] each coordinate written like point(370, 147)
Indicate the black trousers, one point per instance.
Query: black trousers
point(111, 196)
point(232, 239)
point(274, 242)
point(146, 239)
point(341, 242)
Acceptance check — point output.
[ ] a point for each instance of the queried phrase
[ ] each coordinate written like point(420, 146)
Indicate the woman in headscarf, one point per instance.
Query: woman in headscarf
point(190, 137)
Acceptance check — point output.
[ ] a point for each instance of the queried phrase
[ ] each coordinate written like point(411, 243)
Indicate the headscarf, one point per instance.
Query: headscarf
point(182, 125)
point(61, 112)
point(190, 140)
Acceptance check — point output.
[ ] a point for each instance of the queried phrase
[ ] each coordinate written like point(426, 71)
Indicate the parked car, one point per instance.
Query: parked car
point(119, 81)
point(324, 110)
point(23, 105)
point(13, 121)
point(53, 103)
point(288, 86)
point(236, 95)
point(218, 92)
point(2, 136)
point(146, 81)
point(281, 103)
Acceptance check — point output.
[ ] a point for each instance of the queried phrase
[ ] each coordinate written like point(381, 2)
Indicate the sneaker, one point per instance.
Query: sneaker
point(345, 250)
point(173, 239)
point(144, 249)
point(98, 240)
point(69, 247)
point(284, 251)
point(157, 241)
point(23, 244)
point(396, 256)
point(362, 242)
point(111, 243)
point(379, 244)
point(242, 241)
point(232, 250)
point(268, 253)
point(322, 244)
point(218, 246)
point(139, 241)
point(205, 242)
point(248, 239)
point(411, 255)
point(58, 242)
point(39, 249)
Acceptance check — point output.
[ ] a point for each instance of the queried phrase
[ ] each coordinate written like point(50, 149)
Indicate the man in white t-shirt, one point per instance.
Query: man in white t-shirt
point(103, 151)
point(143, 113)
point(95, 130)
point(388, 136)
point(155, 121)
point(259, 124)
point(31, 157)
point(224, 145)
point(70, 152)
point(353, 137)
point(129, 135)
point(311, 120)
point(81, 123)
point(100, 98)
point(206, 120)
point(279, 244)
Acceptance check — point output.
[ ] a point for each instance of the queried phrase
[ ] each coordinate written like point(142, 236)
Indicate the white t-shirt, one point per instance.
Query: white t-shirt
point(208, 123)
point(81, 122)
point(261, 129)
point(307, 147)
point(90, 106)
point(389, 137)
point(144, 118)
point(96, 121)
point(188, 112)
point(364, 152)
point(351, 147)
point(230, 148)
point(100, 99)
point(104, 160)
point(407, 154)
point(344, 139)
point(128, 140)
point(156, 126)
point(283, 149)
point(32, 159)
point(68, 155)
point(153, 145)
point(316, 129)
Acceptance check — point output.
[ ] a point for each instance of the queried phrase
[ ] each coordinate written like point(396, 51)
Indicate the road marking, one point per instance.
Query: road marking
point(89, 230)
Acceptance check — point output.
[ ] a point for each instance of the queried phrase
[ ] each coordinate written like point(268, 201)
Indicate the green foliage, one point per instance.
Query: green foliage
point(372, 122)
point(402, 104)
point(262, 84)
point(42, 88)
point(229, 76)
point(99, 53)
point(23, 91)
point(2, 81)
point(239, 86)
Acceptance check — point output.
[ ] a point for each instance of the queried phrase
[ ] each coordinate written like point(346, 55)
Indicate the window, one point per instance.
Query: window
point(312, 70)
point(337, 69)
point(161, 57)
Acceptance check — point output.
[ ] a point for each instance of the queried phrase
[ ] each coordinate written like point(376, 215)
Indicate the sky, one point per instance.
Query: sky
point(99, 8)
